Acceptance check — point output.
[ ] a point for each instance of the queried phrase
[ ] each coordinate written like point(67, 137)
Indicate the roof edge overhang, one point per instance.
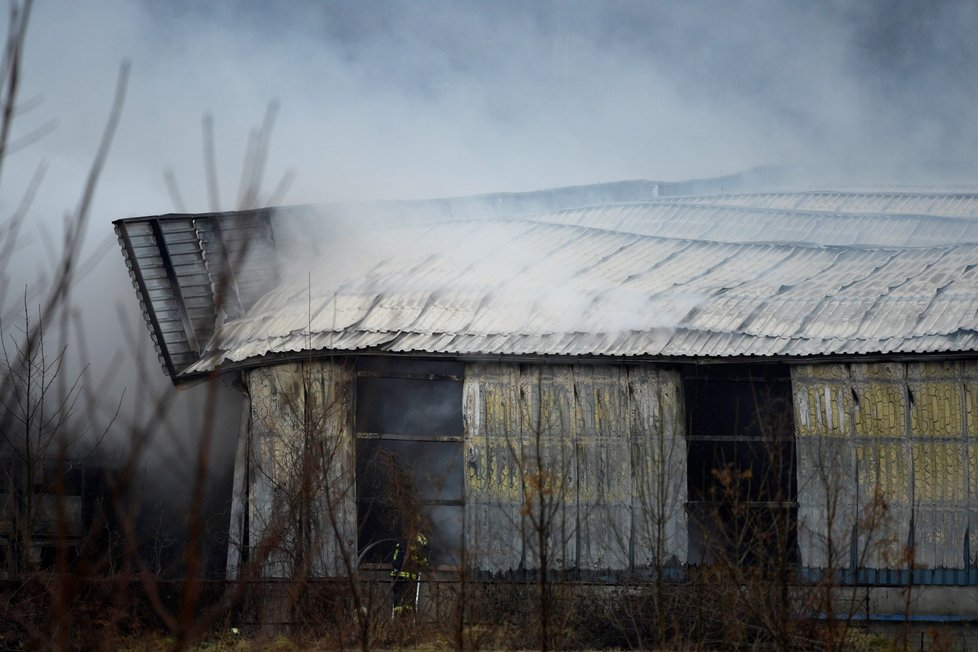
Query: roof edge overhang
point(186, 380)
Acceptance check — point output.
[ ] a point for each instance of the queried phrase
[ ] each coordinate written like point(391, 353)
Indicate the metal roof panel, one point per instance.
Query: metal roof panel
point(725, 276)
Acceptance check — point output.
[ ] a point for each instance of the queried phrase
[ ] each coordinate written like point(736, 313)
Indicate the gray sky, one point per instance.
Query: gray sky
point(424, 98)
point(419, 99)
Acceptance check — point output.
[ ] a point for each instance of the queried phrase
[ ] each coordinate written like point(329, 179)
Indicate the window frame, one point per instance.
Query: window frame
point(410, 369)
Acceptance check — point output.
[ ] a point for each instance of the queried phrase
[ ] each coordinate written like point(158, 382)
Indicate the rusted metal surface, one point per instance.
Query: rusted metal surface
point(592, 459)
point(886, 451)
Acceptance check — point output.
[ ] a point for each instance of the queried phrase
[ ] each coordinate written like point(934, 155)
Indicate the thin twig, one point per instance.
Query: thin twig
point(174, 190)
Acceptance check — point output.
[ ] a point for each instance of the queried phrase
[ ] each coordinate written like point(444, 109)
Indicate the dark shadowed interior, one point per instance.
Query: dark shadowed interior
point(409, 456)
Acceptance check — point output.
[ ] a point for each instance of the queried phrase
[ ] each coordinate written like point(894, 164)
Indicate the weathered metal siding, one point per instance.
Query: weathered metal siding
point(493, 479)
point(887, 452)
point(826, 481)
point(656, 424)
point(301, 467)
point(944, 491)
point(604, 475)
point(602, 445)
point(883, 474)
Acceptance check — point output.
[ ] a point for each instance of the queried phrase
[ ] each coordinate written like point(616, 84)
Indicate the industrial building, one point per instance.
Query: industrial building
point(605, 380)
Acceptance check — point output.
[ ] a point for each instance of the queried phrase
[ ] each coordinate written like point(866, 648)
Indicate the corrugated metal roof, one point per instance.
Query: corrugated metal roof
point(748, 218)
point(167, 270)
point(946, 204)
point(783, 274)
point(239, 253)
point(559, 289)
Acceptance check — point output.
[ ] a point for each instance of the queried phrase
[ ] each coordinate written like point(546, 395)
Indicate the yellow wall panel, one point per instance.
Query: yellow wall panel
point(823, 371)
point(973, 470)
point(571, 434)
point(914, 435)
point(823, 408)
point(936, 409)
point(883, 467)
point(872, 371)
point(971, 407)
point(934, 370)
point(938, 472)
point(881, 410)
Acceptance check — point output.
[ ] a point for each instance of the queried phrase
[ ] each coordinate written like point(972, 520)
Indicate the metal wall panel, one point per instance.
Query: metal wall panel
point(549, 420)
point(658, 461)
point(493, 458)
point(886, 452)
point(601, 445)
point(604, 473)
point(301, 471)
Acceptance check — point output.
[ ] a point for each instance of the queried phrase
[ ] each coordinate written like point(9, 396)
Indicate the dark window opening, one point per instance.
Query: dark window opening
point(741, 479)
point(409, 406)
point(409, 456)
point(65, 500)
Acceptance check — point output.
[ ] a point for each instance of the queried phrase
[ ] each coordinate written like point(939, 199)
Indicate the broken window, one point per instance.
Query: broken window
point(409, 455)
point(741, 480)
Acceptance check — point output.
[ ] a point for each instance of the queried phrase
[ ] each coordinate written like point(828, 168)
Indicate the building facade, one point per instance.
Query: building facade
point(645, 384)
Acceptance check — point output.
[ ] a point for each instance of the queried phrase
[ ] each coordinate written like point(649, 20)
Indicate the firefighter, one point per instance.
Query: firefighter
point(409, 559)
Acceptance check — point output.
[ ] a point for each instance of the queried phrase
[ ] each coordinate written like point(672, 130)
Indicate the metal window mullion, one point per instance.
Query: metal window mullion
point(419, 438)
point(393, 375)
point(443, 502)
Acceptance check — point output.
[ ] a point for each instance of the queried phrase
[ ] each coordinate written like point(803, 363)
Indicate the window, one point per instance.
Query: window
point(741, 478)
point(409, 455)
